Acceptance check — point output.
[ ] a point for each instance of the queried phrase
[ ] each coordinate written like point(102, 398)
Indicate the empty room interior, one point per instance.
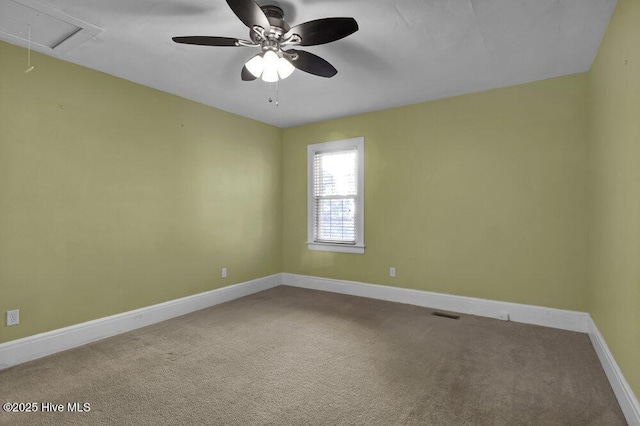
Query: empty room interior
point(317, 212)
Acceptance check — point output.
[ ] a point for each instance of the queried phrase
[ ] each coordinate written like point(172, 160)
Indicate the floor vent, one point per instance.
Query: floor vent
point(443, 315)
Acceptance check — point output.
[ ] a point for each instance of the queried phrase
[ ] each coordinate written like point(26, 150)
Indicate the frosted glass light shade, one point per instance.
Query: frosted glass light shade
point(270, 66)
point(284, 68)
point(270, 75)
point(270, 72)
point(255, 65)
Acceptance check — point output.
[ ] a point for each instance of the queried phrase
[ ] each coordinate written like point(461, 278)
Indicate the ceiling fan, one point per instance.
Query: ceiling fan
point(270, 32)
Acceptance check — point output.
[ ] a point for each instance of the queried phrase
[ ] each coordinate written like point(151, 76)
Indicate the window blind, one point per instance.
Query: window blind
point(335, 191)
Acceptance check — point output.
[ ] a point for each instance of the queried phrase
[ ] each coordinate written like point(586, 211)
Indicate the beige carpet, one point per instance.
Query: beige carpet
point(290, 356)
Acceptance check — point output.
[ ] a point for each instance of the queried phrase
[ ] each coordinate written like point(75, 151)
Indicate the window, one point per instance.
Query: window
point(336, 196)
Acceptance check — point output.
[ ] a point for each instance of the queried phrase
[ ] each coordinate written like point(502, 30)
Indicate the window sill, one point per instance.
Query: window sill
point(338, 248)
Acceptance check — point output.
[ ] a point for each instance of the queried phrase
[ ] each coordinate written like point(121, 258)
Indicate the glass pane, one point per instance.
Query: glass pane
point(336, 220)
point(335, 173)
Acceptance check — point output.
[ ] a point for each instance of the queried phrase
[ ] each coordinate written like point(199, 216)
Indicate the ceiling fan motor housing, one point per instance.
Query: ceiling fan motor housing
point(279, 27)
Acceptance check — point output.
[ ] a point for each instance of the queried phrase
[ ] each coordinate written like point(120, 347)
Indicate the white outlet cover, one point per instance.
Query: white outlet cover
point(224, 272)
point(392, 272)
point(13, 317)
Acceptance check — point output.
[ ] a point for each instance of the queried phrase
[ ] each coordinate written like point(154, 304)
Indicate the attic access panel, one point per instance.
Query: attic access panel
point(51, 29)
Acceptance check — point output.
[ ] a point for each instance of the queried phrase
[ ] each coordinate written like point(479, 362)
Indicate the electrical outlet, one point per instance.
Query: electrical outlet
point(224, 272)
point(13, 317)
point(392, 272)
point(503, 315)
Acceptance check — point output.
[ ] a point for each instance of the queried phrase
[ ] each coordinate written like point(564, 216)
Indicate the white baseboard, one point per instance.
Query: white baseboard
point(538, 315)
point(39, 345)
point(626, 398)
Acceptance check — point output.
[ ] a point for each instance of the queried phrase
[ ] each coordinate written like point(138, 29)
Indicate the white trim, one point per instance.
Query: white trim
point(538, 315)
point(39, 345)
point(626, 398)
point(340, 145)
point(529, 314)
point(340, 248)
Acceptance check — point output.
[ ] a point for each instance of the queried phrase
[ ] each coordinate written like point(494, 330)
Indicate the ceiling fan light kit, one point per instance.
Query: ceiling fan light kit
point(269, 66)
point(269, 32)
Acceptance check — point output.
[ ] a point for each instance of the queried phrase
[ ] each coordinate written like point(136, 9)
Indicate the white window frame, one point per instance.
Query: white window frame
point(341, 145)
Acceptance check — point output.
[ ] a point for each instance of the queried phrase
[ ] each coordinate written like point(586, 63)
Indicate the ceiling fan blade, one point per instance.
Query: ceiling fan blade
point(207, 41)
point(246, 75)
point(249, 13)
point(323, 31)
point(308, 62)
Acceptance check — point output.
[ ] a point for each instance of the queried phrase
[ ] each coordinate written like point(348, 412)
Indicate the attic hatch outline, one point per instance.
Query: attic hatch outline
point(74, 32)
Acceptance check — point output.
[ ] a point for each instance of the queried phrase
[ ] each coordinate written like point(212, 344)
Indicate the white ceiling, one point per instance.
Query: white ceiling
point(406, 51)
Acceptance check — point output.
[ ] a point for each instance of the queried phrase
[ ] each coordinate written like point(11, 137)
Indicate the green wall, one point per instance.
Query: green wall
point(114, 196)
point(615, 181)
point(480, 195)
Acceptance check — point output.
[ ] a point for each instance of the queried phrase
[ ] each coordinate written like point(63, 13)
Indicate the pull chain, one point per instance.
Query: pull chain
point(277, 95)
